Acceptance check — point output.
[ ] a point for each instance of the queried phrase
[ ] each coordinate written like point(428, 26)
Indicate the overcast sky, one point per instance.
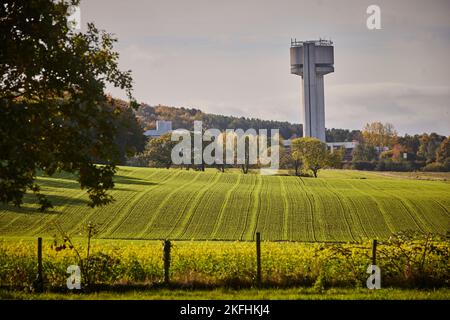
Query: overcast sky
point(232, 57)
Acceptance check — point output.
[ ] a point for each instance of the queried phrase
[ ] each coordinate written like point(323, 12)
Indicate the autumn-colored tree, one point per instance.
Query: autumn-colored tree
point(379, 135)
point(443, 152)
point(429, 145)
point(185, 117)
point(158, 151)
point(398, 151)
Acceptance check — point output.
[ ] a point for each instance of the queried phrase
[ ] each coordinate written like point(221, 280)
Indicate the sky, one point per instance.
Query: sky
point(232, 57)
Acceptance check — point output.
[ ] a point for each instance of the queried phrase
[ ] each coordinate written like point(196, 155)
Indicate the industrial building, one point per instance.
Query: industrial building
point(312, 60)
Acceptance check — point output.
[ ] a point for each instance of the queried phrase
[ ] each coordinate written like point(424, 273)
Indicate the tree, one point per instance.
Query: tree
point(313, 153)
point(248, 141)
point(334, 159)
point(443, 153)
point(294, 157)
point(54, 114)
point(158, 151)
point(222, 144)
point(129, 137)
point(341, 135)
point(379, 135)
point(410, 143)
point(429, 145)
point(184, 118)
point(364, 152)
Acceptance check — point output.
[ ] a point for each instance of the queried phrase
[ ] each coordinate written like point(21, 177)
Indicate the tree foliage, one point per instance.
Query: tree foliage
point(364, 152)
point(129, 137)
point(429, 145)
point(290, 158)
point(379, 135)
point(54, 114)
point(443, 152)
point(341, 135)
point(185, 117)
point(312, 152)
point(158, 151)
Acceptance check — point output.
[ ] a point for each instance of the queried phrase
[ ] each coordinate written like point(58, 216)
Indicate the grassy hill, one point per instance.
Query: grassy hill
point(177, 204)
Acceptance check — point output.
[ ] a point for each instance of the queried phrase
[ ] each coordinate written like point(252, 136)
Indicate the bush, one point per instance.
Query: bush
point(435, 167)
point(363, 165)
point(389, 165)
point(387, 154)
point(447, 164)
point(347, 166)
point(418, 164)
point(381, 166)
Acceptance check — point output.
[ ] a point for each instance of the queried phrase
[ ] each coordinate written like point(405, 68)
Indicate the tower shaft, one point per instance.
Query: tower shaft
point(312, 60)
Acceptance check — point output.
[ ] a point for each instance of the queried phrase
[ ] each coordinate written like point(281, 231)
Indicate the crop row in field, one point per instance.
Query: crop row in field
point(179, 204)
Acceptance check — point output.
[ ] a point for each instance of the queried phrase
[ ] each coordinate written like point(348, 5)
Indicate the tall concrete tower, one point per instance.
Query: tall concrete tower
point(312, 60)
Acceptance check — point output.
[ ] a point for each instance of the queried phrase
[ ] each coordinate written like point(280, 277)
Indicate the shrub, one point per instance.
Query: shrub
point(389, 165)
point(446, 164)
point(387, 154)
point(418, 164)
point(380, 166)
point(363, 165)
point(435, 167)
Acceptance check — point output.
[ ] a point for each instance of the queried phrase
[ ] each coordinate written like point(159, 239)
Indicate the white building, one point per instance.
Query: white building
point(347, 148)
point(162, 127)
point(341, 145)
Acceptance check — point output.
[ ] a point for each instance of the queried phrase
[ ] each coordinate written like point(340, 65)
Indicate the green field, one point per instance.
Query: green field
point(151, 203)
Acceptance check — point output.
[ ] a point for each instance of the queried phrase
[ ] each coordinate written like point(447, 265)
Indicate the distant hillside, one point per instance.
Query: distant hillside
point(185, 117)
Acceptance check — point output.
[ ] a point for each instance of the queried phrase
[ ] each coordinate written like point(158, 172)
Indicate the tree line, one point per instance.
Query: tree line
point(306, 156)
point(185, 117)
point(381, 148)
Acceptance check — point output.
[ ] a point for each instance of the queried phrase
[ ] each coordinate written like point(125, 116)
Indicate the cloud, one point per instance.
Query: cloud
point(138, 54)
point(232, 57)
point(411, 108)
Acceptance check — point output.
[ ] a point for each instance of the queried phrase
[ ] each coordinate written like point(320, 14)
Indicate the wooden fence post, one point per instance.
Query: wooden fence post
point(258, 259)
point(374, 252)
point(166, 249)
point(39, 284)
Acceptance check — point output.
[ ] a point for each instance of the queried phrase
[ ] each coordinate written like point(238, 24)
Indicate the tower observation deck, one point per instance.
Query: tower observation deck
point(312, 60)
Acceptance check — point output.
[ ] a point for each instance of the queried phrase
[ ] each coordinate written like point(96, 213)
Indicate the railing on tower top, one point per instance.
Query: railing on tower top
point(320, 42)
